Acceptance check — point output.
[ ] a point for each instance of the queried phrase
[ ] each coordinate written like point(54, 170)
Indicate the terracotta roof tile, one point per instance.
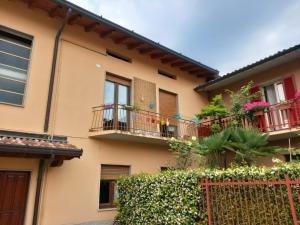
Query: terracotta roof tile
point(36, 142)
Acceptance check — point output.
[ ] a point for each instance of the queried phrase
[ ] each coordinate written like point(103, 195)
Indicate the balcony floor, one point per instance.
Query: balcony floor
point(284, 133)
point(127, 136)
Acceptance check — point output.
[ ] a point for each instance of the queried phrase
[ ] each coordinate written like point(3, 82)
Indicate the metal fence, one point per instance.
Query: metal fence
point(250, 201)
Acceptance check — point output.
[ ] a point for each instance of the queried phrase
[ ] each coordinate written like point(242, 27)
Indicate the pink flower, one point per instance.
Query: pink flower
point(256, 105)
point(297, 95)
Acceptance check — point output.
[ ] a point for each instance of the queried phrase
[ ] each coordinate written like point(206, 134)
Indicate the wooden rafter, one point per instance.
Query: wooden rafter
point(180, 63)
point(188, 67)
point(196, 71)
point(91, 27)
point(121, 39)
point(31, 3)
point(203, 73)
point(53, 12)
point(158, 55)
point(74, 19)
point(134, 45)
point(168, 59)
point(146, 50)
point(106, 33)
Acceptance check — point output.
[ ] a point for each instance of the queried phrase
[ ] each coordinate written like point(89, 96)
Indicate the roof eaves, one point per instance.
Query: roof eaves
point(100, 19)
point(248, 67)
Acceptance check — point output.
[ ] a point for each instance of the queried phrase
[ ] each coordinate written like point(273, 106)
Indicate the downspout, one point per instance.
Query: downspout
point(53, 69)
point(41, 172)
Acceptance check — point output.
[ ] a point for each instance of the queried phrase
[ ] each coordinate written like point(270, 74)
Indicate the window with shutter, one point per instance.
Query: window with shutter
point(108, 189)
point(289, 87)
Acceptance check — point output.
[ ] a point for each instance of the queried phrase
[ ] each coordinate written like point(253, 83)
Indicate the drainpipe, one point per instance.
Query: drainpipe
point(41, 172)
point(53, 69)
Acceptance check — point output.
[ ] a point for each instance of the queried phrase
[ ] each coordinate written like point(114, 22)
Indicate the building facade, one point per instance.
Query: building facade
point(277, 77)
point(84, 101)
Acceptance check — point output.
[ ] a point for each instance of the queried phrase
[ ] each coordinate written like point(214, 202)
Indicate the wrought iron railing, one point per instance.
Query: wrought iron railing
point(140, 122)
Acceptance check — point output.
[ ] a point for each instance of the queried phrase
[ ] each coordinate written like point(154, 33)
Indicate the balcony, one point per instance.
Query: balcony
point(280, 121)
point(120, 122)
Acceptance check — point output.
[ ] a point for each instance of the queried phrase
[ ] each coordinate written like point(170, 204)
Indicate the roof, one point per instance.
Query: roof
point(263, 64)
point(120, 35)
point(37, 146)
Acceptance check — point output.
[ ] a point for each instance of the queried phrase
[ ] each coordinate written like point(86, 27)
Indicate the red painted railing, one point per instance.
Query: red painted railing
point(250, 201)
point(276, 117)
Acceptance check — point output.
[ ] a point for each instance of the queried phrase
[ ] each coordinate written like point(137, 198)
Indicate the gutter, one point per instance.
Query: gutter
point(53, 69)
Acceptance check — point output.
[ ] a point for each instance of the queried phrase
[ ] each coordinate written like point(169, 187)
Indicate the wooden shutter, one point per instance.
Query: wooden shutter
point(167, 103)
point(117, 79)
point(113, 172)
point(254, 90)
point(289, 87)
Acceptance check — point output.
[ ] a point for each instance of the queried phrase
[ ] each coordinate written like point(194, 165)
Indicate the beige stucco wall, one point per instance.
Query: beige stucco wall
point(271, 75)
point(19, 17)
point(19, 164)
point(71, 192)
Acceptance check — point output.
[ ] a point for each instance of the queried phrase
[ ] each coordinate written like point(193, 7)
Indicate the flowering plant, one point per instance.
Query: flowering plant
point(256, 106)
point(297, 94)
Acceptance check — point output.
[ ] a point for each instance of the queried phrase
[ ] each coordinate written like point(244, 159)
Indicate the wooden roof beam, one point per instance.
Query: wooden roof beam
point(121, 39)
point(31, 3)
point(196, 71)
point(146, 50)
point(158, 55)
point(53, 12)
point(188, 67)
point(91, 27)
point(74, 19)
point(168, 59)
point(134, 45)
point(106, 33)
point(180, 63)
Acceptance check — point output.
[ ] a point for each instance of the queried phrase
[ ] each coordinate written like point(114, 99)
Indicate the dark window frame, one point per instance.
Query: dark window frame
point(19, 40)
point(112, 186)
point(167, 74)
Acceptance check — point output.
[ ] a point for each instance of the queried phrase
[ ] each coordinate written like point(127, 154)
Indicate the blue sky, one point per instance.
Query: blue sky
point(224, 34)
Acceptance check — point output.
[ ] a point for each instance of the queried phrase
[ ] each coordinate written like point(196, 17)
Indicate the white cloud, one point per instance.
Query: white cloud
point(277, 35)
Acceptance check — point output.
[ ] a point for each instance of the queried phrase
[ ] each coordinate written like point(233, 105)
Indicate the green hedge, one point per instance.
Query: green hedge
point(173, 197)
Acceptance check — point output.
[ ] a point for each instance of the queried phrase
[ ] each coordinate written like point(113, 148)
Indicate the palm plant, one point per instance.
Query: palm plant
point(214, 147)
point(250, 143)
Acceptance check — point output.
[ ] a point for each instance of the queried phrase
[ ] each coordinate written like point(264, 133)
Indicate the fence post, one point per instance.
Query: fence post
point(291, 200)
point(208, 201)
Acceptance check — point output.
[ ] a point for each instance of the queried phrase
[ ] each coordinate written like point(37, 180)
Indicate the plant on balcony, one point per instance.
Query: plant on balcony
point(297, 94)
point(255, 107)
point(239, 99)
point(214, 109)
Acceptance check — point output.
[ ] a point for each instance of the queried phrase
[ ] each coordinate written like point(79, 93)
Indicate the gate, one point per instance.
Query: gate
point(250, 201)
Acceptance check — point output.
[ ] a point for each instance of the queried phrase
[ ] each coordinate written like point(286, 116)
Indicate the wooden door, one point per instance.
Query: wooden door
point(168, 108)
point(13, 196)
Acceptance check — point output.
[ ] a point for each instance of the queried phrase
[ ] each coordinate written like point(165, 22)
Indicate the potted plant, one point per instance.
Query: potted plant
point(297, 95)
point(256, 108)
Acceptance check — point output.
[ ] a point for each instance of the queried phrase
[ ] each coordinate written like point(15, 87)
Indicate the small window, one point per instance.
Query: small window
point(118, 56)
point(166, 74)
point(108, 188)
point(14, 61)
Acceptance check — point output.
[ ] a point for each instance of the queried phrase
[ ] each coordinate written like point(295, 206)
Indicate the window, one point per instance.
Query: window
point(166, 74)
point(274, 93)
point(14, 60)
point(116, 92)
point(118, 56)
point(108, 188)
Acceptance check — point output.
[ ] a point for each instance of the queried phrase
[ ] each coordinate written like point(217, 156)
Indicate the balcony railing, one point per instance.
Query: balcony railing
point(274, 118)
point(124, 119)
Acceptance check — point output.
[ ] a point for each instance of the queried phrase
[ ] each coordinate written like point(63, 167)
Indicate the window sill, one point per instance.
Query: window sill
point(107, 209)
